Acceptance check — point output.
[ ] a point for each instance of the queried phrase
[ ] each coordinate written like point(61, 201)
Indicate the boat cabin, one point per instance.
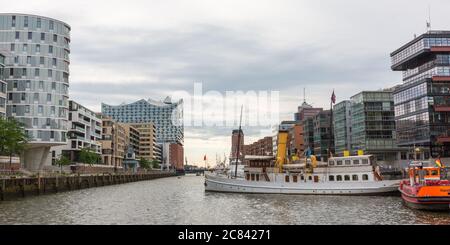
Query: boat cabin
point(352, 161)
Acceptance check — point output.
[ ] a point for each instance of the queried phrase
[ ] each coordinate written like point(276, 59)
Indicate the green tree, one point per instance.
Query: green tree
point(155, 163)
point(13, 138)
point(89, 157)
point(144, 163)
point(62, 161)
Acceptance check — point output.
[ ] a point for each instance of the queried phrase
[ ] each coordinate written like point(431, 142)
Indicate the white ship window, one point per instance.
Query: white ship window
point(302, 177)
point(331, 178)
point(365, 177)
point(339, 178)
point(309, 177)
point(330, 162)
point(347, 177)
point(365, 161)
point(257, 177)
point(339, 162)
point(348, 162)
point(253, 177)
point(356, 161)
point(286, 178)
point(294, 178)
point(355, 177)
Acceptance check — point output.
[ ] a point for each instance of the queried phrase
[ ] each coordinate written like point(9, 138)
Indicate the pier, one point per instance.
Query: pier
point(27, 186)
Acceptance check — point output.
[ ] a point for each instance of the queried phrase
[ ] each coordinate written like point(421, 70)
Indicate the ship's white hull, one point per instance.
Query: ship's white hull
point(217, 183)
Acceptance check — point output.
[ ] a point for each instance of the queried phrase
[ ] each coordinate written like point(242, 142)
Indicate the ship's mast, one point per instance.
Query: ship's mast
point(238, 144)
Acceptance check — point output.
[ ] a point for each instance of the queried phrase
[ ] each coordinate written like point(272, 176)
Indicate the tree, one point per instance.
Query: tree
point(89, 157)
point(13, 138)
point(62, 161)
point(144, 163)
point(155, 163)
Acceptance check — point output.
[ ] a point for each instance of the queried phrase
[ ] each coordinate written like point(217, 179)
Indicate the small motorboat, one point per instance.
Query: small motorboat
point(427, 188)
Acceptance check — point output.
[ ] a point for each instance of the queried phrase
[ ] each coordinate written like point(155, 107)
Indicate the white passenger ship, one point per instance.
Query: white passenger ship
point(353, 175)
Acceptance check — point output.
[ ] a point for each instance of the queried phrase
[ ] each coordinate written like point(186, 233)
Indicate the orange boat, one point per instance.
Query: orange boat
point(426, 189)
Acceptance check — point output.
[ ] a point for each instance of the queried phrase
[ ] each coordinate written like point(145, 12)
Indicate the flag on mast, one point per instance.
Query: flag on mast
point(333, 98)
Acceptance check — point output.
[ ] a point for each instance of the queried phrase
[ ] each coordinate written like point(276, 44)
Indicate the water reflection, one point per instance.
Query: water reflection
point(183, 201)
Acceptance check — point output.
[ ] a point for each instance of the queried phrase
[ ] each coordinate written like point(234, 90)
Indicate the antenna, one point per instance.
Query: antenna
point(429, 18)
point(304, 95)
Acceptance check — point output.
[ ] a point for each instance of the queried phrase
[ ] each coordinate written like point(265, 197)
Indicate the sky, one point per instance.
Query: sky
point(123, 51)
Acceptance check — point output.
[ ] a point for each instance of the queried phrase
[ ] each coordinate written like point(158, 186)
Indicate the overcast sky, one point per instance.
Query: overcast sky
point(122, 51)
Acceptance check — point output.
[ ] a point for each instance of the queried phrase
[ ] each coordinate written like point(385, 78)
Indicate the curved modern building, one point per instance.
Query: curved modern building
point(37, 76)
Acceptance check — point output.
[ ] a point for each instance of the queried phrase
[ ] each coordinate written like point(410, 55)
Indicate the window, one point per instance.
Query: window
point(36, 97)
point(347, 177)
point(49, 97)
point(30, 35)
point(38, 48)
point(35, 121)
point(36, 72)
point(339, 162)
point(348, 162)
point(52, 134)
point(38, 23)
point(355, 177)
point(53, 85)
point(15, 84)
point(25, 47)
point(331, 178)
point(42, 36)
point(51, 25)
point(295, 178)
point(253, 177)
point(13, 47)
point(50, 49)
point(27, 84)
point(55, 38)
point(41, 84)
point(365, 161)
point(286, 178)
point(52, 109)
point(22, 97)
point(28, 60)
point(17, 35)
point(365, 177)
point(40, 109)
point(47, 122)
point(302, 177)
point(27, 109)
point(41, 60)
point(339, 178)
point(257, 177)
point(16, 60)
point(13, 22)
point(309, 177)
point(14, 109)
point(356, 162)
point(50, 73)
point(331, 162)
point(54, 61)
point(25, 21)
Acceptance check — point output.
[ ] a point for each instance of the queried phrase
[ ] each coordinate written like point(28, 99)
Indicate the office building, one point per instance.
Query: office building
point(37, 74)
point(237, 136)
point(422, 102)
point(323, 136)
point(342, 123)
point(3, 86)
point(115, 142)
point(146, 141)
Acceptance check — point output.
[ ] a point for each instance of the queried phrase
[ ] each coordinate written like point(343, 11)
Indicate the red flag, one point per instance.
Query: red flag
point(333, 98)
point(204, 158)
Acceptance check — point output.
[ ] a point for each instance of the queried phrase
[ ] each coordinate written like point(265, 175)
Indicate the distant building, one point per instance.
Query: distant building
point(166, 116)
point(373, 125)
point(323, 137)
point(115, 141)
point(296, 140)
point(262, 147)
point(146, 142)
point(234, 144)
point(342, 123)
point(422, 102)
point(172, 156)
point(3, 85)
point(308, 134)
point(306, 111)
point(85, 128)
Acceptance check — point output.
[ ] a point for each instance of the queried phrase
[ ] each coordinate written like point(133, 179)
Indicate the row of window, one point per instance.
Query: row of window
point(51, 24)
point(354, 177)
point(32, 60)
point(364, 161)
point(23, 72)
point(42, 36)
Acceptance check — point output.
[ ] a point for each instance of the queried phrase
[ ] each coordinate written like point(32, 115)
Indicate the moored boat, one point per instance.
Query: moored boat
point(426, 188)
point(352, 175)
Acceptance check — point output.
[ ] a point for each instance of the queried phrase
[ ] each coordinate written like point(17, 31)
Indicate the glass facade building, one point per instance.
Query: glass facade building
point(37, 74)
point(167, 117)
point(2, 87)
point(323, 137)
point(373, 125)
point(422, 102)
point(342, 123)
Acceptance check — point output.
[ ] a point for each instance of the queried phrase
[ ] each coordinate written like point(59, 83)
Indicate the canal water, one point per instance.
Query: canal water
point(184, 201)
